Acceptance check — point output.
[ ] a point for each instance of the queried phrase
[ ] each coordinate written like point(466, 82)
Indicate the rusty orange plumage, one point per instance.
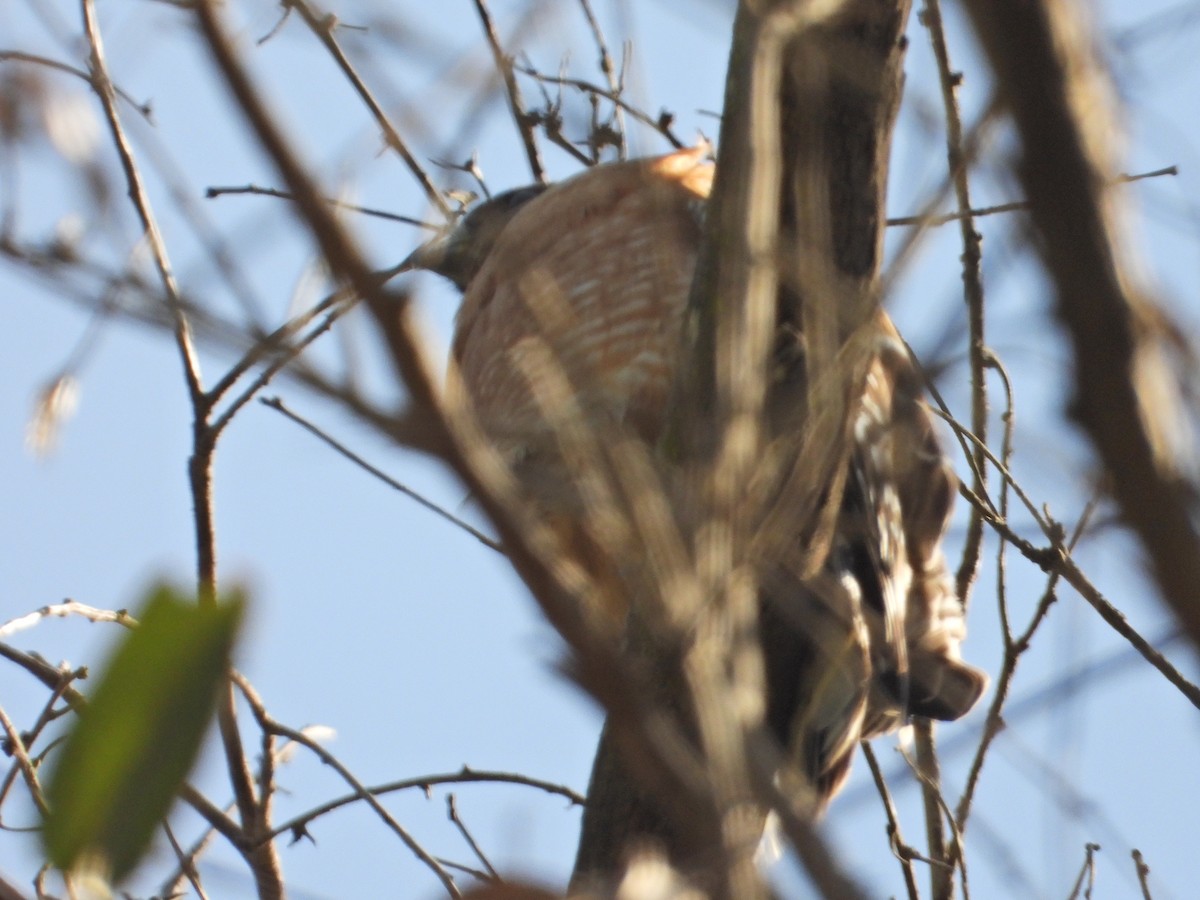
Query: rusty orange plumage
point(593, 273)
point(595, 268)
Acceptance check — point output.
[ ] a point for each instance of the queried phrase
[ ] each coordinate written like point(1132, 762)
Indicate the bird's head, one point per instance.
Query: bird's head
point(459, 253)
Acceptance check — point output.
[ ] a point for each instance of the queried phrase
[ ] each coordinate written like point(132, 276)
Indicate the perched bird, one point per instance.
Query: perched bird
point(594, 273)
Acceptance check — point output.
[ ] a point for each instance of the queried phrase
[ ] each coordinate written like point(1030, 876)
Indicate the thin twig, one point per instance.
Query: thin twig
point(1087, 871)
point(932, 221)
point(424, 783)
point(215, 191)
point(273, 369)
point(16, 747)
point(50, 676)
point(477, 874)
point(660, 123)
point(961, 432)
point(990, 511)
point(323, 27)
point(143, 109)
point(267, 723)
point(63, 610)
point(469, 167)
point(1013, 649)
point(216, 818)
point(103, 87)
point(275, 342)
point(972, 256)
point(452, 813)
point(1143, 873)
point(266, 766)
point(1050, 560)
point(608, 70)
point(552, 126)
point(47, 715)
point(186, 863)
point(1055, 559)
point(955, 858)
point(1008, 417)
point(266, 781)
point(1117, 621)
point(900, 850)
point(171, 884)
point(217, 245)
point(941, 876)
point(277, 404)
point(522, 118)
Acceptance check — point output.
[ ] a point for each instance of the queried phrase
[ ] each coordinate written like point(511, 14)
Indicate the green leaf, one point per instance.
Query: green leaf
point(134, 744)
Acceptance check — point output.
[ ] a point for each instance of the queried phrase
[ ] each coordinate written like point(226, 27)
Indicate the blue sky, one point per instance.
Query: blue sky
point(413, 642)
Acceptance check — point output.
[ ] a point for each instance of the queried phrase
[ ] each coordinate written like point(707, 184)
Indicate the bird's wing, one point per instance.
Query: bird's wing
point(591, 278)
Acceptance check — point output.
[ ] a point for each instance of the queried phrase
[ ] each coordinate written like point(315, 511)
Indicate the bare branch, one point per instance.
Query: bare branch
point(424, 783)
point(103, 87)
point(452, 813)
point(660, 123)
point(1143, 873)
point(504, 65)
point(323, 28)
point(143, 109)
point(901, 850)
point(931, 220)
point(972, 255)
point(1127, 396)
point(609, 71)
point(268, 724)
point(215, 191)
point(928, 769)
point(276, 404)
point(1088, 872)
point(15, 744)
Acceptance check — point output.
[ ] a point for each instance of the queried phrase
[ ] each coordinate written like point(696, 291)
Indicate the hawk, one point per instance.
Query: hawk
point(595, 272)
